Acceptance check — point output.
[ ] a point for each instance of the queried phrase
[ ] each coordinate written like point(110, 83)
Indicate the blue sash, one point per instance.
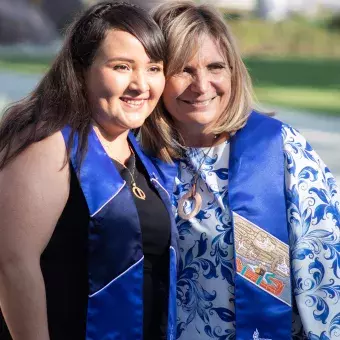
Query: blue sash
point(115, 303)
point(257, 200)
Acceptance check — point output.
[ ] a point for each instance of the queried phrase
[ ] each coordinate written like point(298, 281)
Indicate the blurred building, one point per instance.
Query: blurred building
point(277, 9)
point(23, 21)
point(237, 5)
point(35, 21)
point(42, 21)
point(61, 12)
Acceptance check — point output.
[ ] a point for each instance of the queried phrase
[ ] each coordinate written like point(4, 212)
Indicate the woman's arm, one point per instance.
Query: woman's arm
point(313, 202)
point(34, 189)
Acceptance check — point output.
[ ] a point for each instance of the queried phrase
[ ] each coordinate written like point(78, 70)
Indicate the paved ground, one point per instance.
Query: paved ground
point(323, 132)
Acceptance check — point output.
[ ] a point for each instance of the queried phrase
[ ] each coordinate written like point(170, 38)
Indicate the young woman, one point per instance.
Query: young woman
point(87, 246)
point(258, 212)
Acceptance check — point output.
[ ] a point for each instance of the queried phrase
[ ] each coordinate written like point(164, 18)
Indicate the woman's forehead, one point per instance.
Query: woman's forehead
point(206, 50)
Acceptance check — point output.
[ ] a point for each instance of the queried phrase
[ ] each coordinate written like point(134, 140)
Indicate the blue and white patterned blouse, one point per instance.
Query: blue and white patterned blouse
point(205, 287)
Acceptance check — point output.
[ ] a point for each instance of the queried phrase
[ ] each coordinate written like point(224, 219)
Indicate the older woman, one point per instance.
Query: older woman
point(257, 210)
point(86, 248)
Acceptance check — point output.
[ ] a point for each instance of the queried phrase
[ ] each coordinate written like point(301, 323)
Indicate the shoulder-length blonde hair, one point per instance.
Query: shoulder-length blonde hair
point(183, 24)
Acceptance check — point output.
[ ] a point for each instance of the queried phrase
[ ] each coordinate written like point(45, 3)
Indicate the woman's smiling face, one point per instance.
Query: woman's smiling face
point(196, 97)
point(123, 84)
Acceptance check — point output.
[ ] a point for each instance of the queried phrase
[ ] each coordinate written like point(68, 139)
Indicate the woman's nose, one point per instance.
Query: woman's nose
point(200, 82)
point(139, 82)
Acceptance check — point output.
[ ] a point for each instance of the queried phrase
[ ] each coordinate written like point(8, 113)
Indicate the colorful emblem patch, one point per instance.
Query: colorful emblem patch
point(262, 259)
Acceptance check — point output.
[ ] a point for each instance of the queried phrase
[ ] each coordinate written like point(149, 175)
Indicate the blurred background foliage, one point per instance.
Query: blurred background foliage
point(294, 62)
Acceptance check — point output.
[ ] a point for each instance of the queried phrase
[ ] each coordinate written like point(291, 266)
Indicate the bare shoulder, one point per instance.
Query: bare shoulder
point(39, 167)
point(51, 149)
point(34, 191)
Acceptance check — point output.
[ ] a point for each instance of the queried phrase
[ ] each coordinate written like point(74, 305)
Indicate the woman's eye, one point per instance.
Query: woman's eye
point(121, 67)
point(155, 69)
point(216, 67)
point(187, 70)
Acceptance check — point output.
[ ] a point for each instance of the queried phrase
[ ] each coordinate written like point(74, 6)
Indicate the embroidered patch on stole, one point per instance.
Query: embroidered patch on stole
point(262, 259)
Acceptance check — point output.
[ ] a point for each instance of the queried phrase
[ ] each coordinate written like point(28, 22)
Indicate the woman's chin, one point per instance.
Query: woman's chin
point(197, 119)
point(199, 125)
point(135, 123)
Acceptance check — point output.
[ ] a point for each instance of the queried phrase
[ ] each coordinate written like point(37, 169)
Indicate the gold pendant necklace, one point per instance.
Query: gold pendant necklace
point(192, 199)
point(136, 190)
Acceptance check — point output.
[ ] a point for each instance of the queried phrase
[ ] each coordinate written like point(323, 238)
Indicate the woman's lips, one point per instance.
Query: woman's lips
point(134, 102)
point(198, 103)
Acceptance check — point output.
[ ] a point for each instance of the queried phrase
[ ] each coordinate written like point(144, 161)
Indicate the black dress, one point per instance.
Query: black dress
point(64, 262)
point(156, 242)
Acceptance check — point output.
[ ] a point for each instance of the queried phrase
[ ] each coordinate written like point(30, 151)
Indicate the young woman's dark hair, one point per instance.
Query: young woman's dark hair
point(60, 98)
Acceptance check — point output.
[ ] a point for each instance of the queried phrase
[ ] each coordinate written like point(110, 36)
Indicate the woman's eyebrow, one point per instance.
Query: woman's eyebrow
point(131, 61)
point(121, 59)
point(217, 63)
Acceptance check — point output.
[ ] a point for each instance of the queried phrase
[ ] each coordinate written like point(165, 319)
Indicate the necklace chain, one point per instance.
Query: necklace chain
point(132, 173)
point(197, 175)
point(137, 191)
point(192, 194)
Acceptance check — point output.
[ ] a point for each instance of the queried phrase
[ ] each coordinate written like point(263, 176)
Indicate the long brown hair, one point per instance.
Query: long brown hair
point(60, 98)
point(183, 23)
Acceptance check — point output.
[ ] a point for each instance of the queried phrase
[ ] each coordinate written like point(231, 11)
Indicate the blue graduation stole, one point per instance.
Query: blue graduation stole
point(115, 302)
point(263, 306)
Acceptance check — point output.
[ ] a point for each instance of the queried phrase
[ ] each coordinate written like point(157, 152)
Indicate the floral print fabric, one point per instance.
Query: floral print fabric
point(205, 287)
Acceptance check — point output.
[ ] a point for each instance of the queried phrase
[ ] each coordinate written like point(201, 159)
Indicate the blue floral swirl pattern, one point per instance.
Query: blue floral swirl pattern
point(205, 289)
point(313, 210)
point(207, 261)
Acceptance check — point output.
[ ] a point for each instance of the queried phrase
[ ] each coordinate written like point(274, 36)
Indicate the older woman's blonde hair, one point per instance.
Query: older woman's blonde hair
point(183, 24)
